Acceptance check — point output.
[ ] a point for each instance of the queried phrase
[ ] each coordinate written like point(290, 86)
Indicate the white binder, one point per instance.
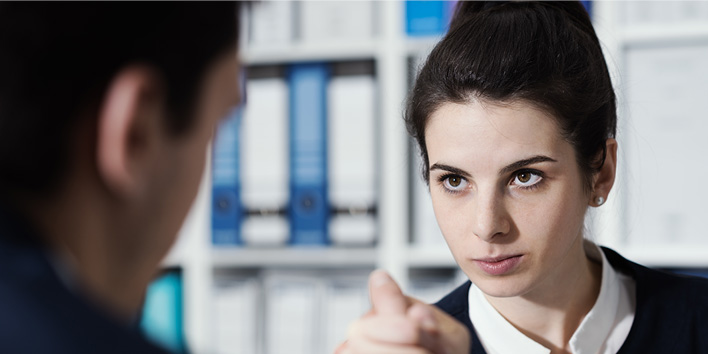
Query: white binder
point(323, 21)
point(352, 158)
point(271, 24)
point(265, 165)
point(292, 304)
point(236, 311)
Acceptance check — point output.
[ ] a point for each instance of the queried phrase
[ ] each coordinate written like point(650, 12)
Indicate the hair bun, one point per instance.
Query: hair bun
point(574, 10)
point(467, 9)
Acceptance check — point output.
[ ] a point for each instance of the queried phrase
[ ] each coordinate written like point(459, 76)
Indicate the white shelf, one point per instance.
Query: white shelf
point(304, 52)
point(320, 257)
point(651, 33)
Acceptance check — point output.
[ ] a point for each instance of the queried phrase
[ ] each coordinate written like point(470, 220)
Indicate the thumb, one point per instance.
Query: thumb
point(386, 296)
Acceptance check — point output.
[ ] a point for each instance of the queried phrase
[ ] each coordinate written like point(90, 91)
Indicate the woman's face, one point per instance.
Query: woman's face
point(508, 195)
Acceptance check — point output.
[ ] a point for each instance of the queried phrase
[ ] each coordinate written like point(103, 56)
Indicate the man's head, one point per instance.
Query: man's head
point(58, 59)
point(106, 112)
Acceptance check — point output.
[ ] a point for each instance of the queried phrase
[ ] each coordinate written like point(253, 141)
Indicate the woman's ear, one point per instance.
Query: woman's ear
point(130, 129)
point(605, 178)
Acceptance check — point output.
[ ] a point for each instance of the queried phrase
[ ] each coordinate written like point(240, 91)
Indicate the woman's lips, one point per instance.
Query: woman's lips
point(498, 265)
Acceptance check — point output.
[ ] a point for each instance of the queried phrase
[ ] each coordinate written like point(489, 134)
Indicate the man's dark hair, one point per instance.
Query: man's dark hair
point(56, 60)
point(544, 53)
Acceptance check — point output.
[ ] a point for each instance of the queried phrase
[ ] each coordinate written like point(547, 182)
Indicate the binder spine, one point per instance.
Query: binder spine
point(264, 153)
point(226, 201)
point(308, 148)
point(426, 18)
point(351, 157)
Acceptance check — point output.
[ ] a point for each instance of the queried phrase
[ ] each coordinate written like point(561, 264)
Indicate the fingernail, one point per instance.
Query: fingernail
point(380, 277)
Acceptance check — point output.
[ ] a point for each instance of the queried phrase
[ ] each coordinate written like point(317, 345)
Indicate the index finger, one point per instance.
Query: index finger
point(386, 296)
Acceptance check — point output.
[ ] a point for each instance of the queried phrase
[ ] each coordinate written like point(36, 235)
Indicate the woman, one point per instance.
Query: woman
point(514, 113)
point(515, 116)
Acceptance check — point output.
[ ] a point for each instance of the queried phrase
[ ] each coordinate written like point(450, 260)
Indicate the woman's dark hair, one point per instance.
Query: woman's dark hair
point(544, 53)
point(56, 60)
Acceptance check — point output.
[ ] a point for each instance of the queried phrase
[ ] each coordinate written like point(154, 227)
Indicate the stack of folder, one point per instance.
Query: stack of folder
point(296, 165)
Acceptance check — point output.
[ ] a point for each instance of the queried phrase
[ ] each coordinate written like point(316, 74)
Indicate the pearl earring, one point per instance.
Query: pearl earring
point(599, 201)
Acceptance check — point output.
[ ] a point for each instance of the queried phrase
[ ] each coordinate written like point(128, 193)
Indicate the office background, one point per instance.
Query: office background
point(315, 183)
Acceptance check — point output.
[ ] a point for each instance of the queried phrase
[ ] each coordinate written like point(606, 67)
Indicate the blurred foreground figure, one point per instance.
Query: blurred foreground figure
point(106, 112)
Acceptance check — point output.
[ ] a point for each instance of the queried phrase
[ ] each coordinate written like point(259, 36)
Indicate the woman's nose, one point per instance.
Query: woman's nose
point(490, 219)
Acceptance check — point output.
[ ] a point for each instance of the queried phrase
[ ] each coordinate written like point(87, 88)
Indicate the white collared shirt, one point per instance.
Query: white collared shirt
point(602, 331)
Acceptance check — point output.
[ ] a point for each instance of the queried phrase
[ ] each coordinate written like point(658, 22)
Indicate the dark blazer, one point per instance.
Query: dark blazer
point(671, 314)
point(39, 314)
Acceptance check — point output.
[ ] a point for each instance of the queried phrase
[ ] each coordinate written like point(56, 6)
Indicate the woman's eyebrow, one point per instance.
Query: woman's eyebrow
point(455, 170)
point(525, 162)
point(508, 169)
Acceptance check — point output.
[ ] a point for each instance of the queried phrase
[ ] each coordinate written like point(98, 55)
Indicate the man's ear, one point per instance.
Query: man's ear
point(605, 178)
point(130, 130)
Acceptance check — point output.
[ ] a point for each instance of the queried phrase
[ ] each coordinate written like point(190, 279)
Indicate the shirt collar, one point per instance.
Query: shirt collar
point(598, 323)
point(499, 336)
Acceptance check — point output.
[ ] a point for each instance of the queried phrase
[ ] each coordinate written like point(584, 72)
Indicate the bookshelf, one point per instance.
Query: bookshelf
point(299, 257)
point(423, 269)
point(202, 263)
point(360, 50)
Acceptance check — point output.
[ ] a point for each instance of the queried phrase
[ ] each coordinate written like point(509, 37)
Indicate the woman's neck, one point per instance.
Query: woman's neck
point(551, 312)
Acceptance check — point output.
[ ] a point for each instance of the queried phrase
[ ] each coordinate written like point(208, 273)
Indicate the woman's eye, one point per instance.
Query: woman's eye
point(454, 183)
point(526, 179)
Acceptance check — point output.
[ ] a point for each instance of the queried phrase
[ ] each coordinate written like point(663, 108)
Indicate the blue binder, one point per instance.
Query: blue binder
point(588, 6)
point(309, 211)
point(226, 203)
point(428, 17)
point(162, 319)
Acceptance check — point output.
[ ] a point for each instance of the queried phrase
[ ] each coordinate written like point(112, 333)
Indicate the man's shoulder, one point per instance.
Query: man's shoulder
point(41, 315)
point(34, 323)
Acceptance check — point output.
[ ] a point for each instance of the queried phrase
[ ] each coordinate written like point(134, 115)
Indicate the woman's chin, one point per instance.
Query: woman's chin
point(501, 287)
